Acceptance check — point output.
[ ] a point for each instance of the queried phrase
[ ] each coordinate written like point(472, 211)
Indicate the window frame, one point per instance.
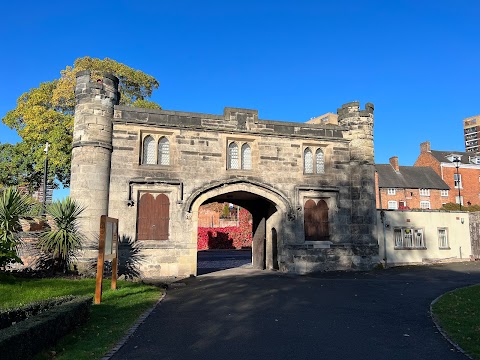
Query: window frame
point(392, 202)
point(444, 193)
point(241, 146)
point(407, 240)
point(310, 161)
point(230, 147)
point(457, 181)
point(315, 150)
point(391, 191)
point(443, 244)
point(157, 137)
point(322, 162)
point(424, 203)
point(146, 149)
point(161, 152)
point(424, 192)
point(243, 163)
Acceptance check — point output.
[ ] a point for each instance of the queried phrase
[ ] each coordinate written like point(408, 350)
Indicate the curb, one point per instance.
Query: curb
point(132, 330)
point(439, 328)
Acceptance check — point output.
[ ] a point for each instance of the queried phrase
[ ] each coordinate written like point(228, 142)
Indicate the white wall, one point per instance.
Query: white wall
point(457, 224)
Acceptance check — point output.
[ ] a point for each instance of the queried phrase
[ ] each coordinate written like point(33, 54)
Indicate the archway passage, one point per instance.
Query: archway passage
point(251, 244)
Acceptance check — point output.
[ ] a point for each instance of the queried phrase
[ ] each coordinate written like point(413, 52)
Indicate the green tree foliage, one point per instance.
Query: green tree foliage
point(226, 211)
point(64, 239)
point(13, 204)
point(45, 114)
point(16, 166)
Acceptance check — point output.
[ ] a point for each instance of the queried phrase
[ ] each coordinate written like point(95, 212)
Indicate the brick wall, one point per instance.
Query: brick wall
point(412, 198)
point(470, 190)
point(427, 159)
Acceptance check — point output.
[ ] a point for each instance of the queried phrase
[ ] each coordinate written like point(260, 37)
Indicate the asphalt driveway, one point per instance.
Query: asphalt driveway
point(248, 314)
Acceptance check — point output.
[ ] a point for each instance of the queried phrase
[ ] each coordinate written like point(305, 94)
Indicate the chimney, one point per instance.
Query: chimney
point(425, 147)
point(394, 162)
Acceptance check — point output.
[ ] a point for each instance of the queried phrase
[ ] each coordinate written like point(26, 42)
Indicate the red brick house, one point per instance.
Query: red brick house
point(444, 164)
point(408, 187)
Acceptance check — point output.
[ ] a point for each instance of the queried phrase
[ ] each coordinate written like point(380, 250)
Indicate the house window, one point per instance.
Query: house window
point(444, 193)
point(408, 238)
point(459, 200)
point(392, 205)
point(457, 180)
point(443, 238)
point(233, 156)
point(163, 151)
point(153, 217)
point(319, 162)
point(308, 161)
point(246, 157)
point(316, 220)
point(424, 192)
point(424, 204)
point(148, 150)
point(391, 191)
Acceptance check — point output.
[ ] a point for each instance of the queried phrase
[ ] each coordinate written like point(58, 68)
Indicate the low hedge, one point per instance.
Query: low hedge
point(13, 316)
point(26, 338)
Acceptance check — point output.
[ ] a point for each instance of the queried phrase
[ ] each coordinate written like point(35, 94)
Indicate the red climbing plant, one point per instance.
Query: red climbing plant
point(230, 237)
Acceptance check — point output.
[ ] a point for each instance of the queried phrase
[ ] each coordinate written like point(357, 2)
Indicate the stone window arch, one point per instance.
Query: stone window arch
point(163, 151)
point(233, 156)
point(319, 161)
point(307, 161)
point(246, 157)
point(316, 220)
point(148, 150)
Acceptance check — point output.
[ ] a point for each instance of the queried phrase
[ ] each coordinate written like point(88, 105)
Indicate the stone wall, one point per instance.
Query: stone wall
point(474, 218)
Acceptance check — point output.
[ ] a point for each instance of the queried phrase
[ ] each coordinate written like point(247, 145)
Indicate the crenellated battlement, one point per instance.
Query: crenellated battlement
point(359, 125)
point(353, 109)
point(101, 87)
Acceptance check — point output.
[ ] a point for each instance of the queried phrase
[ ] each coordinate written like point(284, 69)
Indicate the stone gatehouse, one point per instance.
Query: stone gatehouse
point(309, 187)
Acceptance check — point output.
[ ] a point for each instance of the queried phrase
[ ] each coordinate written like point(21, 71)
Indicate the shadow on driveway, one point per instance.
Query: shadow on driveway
point(248, 314)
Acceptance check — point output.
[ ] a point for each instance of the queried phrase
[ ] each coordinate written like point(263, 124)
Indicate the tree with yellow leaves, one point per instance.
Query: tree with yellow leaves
point(45, 114)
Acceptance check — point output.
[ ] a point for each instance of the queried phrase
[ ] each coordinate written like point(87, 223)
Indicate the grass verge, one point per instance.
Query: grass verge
point(108, 323)
point(458, 313)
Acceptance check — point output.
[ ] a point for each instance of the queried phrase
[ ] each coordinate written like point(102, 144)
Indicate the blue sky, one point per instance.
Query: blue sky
point(417, 61)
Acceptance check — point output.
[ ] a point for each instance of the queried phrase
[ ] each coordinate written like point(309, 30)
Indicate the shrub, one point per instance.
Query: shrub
point(26, 338)
point(12, 316)
point(63, 240)
point(13, 204)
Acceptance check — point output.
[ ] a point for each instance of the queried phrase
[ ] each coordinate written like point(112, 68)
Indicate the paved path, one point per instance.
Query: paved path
point(248, 314)
point(209, 261)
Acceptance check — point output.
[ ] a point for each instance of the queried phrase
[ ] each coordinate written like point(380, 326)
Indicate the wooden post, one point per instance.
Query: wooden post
point(107, 250)
point(101, 260)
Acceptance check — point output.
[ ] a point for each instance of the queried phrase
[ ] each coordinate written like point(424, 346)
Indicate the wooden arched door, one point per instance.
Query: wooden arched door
point(316, 220)
point(153, 217)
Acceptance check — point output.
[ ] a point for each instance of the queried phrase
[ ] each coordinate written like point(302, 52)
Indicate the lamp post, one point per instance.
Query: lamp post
point(45, 171)
point(457, 165)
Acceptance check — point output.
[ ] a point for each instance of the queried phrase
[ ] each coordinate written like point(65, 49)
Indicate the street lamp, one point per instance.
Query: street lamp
point(45, 171)
point(457, 165)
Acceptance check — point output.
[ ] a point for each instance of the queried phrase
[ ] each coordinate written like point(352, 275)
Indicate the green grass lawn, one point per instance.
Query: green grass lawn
point(108, 323)
point(458, 313)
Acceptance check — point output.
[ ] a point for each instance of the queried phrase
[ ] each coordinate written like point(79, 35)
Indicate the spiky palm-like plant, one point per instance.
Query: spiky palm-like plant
point(64, 239)
point(13, 204)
